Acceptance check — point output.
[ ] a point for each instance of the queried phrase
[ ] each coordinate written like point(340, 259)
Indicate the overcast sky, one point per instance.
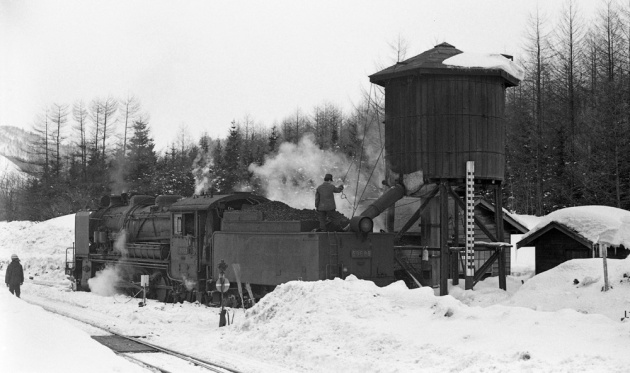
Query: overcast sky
point(202, 64)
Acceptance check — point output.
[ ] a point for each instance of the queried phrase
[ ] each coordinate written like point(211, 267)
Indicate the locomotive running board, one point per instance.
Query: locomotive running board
point(121, 344)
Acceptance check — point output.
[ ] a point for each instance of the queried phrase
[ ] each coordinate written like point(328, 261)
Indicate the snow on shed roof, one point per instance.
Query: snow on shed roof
point(486, 61)
point(598, 224)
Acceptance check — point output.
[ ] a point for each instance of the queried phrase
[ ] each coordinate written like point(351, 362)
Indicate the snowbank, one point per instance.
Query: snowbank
point(599, 224)
point(486, 61)
point(556, 289)
point(41, 247)
point(325, 325)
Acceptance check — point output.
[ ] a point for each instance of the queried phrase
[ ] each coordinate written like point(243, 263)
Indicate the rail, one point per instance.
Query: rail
point(214, 367)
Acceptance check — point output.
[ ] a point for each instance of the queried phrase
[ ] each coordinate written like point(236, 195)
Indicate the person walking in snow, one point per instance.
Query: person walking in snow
point(325, 200)
point(14, 277)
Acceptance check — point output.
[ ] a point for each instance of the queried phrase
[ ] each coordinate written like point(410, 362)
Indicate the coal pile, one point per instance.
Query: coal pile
point(278, 211)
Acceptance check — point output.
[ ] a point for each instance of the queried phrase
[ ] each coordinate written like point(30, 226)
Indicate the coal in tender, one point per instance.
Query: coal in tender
point(279, 211)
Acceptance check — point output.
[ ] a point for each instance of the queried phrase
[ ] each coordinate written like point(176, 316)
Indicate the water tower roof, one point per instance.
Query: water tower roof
point(430, 62)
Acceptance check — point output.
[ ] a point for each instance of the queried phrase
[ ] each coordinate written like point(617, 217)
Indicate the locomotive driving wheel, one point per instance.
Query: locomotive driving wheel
point(162, 288)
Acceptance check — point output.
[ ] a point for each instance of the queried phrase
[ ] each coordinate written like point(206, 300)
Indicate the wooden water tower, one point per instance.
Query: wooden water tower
point(437, 118)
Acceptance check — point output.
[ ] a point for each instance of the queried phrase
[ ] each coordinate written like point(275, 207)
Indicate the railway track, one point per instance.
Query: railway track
point(151, 356)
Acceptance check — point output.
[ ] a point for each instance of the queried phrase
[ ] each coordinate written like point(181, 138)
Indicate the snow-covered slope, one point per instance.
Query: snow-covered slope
point(40, 246)
point(10, 169)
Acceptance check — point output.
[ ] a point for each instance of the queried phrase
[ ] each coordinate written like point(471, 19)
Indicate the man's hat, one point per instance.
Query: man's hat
point(14, 256)
point(328, 177)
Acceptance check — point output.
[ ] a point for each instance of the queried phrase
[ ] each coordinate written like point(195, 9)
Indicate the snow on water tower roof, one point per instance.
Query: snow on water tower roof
point(433, 61)
point(486, 61)
point(598, 224)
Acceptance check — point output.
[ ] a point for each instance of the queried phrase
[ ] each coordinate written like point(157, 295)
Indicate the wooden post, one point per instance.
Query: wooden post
point(455, 254)
point(498, 215)
point(470, 225)
point(604, 248)
point(444, 252)
point(391, 217)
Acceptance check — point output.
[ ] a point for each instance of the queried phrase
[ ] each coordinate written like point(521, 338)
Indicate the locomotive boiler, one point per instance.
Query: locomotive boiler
point(179, 242)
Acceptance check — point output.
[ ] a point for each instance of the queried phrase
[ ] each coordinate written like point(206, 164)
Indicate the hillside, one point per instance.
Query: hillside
point(13, 152)
point(14, 142)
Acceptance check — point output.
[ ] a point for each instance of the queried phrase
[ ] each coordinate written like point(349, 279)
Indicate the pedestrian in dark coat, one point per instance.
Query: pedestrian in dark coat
point(325, 200)
point(14, 277)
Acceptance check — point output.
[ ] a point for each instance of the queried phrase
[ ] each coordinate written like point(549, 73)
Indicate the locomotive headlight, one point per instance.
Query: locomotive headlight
point(361, 224)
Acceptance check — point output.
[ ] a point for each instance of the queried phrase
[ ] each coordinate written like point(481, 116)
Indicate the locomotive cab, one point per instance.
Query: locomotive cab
point(194, 220)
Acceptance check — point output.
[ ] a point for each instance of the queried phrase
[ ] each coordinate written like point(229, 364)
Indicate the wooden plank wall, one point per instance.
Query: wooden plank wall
point(555, 247)
point(438, 122)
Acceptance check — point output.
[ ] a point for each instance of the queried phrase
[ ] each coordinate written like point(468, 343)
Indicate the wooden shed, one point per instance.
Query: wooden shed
point(556, 243)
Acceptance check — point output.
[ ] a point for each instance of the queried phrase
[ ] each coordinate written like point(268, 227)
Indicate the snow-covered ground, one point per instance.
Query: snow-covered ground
point(10, 170)
point(546, 323)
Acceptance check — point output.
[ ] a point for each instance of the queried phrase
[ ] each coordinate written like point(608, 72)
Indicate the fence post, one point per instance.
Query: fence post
point(604, 250)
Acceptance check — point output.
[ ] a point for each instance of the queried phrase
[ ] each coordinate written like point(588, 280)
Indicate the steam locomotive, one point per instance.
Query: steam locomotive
point(181, 242)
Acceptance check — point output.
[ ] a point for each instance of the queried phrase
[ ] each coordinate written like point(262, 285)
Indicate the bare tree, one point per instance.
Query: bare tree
point(108, 110)
point(95, 115)
point(539, 53)
point(80, 115)
point(568, 51)
point(296, 125)
point(58, 118)
point(399, 47)
point(40, 152)
point(184, 139)
point(129, 109)
point(613, 130)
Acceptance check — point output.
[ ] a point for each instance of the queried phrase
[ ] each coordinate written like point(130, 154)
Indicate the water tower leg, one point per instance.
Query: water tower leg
point(455, 254)
point(498, 207)
point(444, 254)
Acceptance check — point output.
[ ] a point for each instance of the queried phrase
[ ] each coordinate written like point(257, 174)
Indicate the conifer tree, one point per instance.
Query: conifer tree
point(232, 163)
point(141, 164)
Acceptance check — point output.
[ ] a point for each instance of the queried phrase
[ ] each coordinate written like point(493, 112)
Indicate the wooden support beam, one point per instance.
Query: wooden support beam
point(416, 214)
point(498, 217)
point(454, 256)
point(477, 221)
point(444, 252)
point(481, 271)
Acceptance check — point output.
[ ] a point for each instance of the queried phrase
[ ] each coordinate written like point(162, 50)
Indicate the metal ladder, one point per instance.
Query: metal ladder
point(332, 268)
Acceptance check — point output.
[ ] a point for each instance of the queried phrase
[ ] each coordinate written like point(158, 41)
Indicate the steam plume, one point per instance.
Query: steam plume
point(294, 173)
point(121, 243)
point(203, 171)
point(104, 283)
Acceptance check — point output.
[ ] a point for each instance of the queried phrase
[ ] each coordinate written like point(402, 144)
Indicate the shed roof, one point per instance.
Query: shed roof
point(597, 224)
point(430, 62)
point(531, 239)
point(507, 217)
